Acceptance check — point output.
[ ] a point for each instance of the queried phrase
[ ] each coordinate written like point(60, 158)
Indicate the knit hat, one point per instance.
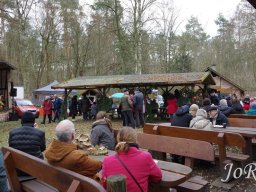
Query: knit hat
point(193, 107)
point(223, 102)
point(28, 117)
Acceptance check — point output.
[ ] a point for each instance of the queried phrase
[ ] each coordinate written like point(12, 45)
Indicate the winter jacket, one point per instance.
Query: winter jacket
point(67, 156)
point(126, 103)
point(220, 119)
point(201, 121)
point(172, 106)
point(101, 134)
point(28, 139)
point(226, 110)
point(3, 178)
point(237, 108)
point(138, 100)
point(85, 104)
point(252, 110)
point(47, 107)
point(140, 164)
point(182, 117)
point(57, 104)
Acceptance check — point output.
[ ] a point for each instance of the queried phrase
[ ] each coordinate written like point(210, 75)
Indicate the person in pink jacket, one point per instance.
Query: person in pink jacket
point(140, 163)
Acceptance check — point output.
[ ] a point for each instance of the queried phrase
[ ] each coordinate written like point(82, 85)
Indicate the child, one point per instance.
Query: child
point(93, 110)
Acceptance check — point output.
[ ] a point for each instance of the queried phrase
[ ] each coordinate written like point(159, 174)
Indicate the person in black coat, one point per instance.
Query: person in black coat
point(217, 117)
point(237, 107)
point(28, 138)
point(182, 117)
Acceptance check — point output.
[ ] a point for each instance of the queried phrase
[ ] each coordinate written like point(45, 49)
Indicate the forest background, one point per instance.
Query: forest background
point(61, 39)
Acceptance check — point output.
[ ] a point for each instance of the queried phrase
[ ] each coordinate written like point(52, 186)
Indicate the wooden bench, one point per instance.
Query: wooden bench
point(221, 139)
point(242, 116)
point(242, 122)
point(46, 177)
point(190, 149)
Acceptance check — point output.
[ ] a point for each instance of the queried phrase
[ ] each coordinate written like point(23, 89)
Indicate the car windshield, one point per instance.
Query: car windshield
point(24, 103)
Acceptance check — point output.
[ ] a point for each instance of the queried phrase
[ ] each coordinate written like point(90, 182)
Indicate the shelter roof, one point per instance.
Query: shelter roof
point(48, 90)
point(214, 72)
point(119, 81)
point(6, 65)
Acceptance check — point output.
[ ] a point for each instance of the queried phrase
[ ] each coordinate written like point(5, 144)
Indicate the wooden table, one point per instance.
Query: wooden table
point(173, 173)
point(247, 133)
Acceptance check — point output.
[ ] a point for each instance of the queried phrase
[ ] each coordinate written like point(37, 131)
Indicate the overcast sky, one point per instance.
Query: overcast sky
point(206, 11)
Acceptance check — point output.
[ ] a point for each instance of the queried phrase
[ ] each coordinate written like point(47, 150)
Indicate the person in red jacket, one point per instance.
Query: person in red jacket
point(47, 107)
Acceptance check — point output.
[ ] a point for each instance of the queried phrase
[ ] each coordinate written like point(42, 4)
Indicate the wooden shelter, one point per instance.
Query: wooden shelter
point(5, 82)
point(167, 80)
point(223, 84)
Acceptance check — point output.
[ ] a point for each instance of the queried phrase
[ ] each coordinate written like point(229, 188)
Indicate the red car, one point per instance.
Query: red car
point(23, 105)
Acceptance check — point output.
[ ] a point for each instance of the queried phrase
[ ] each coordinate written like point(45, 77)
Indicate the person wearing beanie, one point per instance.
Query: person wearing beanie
point(193, 109)
point(224, 108)
point(201, 121)
point(28, 138)
point(252, 109)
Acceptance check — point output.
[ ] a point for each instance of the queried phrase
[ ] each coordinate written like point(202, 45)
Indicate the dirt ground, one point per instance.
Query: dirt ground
point(209, 172)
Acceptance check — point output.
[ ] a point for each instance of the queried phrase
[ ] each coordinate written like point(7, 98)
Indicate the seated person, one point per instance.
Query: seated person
point(216, 117)
point(140, 163)
point(182, 117)
point(201, 120)
point(28, 138)
point(237, 107)
point(3, 179)
point(224, 108)
point(193, 109)
point(252, 109)
point(64, 153)
point(102, 132)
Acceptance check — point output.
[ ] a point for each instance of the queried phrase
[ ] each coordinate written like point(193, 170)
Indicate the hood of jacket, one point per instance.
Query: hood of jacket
point(59, 150)
point(104, 121)
point(201, 113)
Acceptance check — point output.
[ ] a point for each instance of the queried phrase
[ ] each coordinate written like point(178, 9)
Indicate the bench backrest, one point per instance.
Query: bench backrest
point(178, 146)
point(242, 122)
point(230, 139)
point(243, 116)
point(59, 178)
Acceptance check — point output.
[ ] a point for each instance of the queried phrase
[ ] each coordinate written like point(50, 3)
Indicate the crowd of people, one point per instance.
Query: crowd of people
point(64, 153)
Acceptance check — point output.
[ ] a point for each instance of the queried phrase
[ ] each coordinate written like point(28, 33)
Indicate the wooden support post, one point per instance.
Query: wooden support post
point(116, 183)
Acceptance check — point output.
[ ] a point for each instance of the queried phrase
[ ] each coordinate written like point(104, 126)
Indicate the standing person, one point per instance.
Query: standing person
point(73, 107)
point(63, 153)
point(56, 108)
point(28, 138)
point(126, 107)
point(93, 110)
point(138, 107)
point(3, 178)
point(47, 108)
point(85, 107)
point(102, 132)
point(140, 163)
